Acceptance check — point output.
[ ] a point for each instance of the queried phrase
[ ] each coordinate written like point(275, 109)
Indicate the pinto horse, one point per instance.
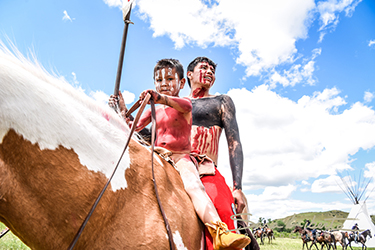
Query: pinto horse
point(269, 234)
point(58, 148)
point(259, 234)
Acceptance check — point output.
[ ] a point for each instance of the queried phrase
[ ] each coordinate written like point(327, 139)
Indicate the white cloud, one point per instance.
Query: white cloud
point(259, 48)
point(100, 96)
point(113, 3)
point(296, 140)
point(298, 73)
point(372, 42)
point(327, 185)
point(368, 97)
point(220, 24)
point(275, 209)
point(103, 97)
point(128, 97)
point(66, 17)
point(370, 170)
point(329, 11)
point(277, 193)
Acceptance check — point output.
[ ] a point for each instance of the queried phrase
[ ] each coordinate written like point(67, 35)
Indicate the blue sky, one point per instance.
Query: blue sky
point(300, 72)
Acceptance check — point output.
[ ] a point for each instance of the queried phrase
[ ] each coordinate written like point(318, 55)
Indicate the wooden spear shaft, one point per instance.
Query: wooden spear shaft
point(122, 52)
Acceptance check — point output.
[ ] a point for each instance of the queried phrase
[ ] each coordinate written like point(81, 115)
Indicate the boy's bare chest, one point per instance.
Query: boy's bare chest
point(169, 117)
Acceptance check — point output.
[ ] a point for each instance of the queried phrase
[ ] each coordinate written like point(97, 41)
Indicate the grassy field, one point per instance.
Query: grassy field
point(11, 242)
point(292, 244)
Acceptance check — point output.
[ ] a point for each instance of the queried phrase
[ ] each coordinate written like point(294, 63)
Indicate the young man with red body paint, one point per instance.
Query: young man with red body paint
point(173, 130)
point(212, 114)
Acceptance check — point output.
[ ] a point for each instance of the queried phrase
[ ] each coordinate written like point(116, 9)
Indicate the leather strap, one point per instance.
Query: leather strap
point(153, 138)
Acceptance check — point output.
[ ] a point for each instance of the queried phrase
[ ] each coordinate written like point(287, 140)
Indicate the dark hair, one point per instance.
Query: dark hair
point(198, 60)
point(170, 63)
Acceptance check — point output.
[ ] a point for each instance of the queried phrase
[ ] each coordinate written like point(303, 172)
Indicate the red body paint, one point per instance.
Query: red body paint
point(198, 93)
point(173, 128)
point(206, 141)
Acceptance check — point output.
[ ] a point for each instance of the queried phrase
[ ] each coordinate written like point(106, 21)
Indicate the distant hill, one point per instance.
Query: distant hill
point(333, 219)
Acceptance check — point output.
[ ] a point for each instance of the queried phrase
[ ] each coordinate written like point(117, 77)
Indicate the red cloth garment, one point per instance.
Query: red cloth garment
point(220, 194)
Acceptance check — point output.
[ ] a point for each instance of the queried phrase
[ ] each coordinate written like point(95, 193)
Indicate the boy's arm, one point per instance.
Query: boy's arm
point(143, 121)
point(182, 105)
point(234, 147)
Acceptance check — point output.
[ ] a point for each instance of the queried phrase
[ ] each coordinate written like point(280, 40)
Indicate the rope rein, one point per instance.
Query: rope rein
point(153, 135)
point(153, 118)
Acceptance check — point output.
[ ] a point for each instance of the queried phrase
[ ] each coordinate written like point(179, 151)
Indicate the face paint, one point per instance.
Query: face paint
point(206, 74)
point(167, 81)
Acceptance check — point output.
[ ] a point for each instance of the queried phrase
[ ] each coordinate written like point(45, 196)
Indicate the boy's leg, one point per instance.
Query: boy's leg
point(195, 189)
point(222, 197)
point(206, 209)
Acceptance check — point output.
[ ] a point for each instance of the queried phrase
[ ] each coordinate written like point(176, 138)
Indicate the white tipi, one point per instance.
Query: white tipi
point(358, 214)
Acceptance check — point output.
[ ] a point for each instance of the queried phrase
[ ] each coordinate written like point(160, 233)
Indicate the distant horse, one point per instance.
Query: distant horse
point(306, 236)
point(58, 148)
point(325, 239)
point(340, 237)
point(259, 234)
point(269, 234)
point(362, 237)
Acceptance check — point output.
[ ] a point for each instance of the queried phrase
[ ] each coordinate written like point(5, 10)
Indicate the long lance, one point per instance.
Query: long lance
point(122, 52)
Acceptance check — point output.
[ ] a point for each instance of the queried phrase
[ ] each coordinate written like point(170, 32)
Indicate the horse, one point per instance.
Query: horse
point(340, 237)
point(362, 237)
point(259, 234)
point(325, 239)
point(58, 148)
point(268, 232)
point(306, 236)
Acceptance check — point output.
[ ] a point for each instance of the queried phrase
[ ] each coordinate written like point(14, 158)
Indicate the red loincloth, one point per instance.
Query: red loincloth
point(222, 197)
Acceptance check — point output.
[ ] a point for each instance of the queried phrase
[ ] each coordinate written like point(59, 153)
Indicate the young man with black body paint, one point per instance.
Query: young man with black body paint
point(211, 115)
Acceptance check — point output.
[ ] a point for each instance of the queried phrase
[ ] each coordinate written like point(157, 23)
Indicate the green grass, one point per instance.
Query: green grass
point(293, 244)
point(10, 242)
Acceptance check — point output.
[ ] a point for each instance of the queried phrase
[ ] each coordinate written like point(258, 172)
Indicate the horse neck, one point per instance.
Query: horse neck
point(53, 158)
point(47, 191)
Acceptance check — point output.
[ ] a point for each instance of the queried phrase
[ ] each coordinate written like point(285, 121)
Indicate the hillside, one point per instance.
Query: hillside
point(333, 219)
point(323, 220)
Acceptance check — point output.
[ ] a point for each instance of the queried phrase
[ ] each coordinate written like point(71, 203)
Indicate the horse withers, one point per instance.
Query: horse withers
point(58, 148)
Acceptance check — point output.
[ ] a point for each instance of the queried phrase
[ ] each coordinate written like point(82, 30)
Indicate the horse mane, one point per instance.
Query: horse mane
point(46, 110)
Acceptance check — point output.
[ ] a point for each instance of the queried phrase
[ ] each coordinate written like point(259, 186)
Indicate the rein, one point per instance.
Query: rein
point(153, 135)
